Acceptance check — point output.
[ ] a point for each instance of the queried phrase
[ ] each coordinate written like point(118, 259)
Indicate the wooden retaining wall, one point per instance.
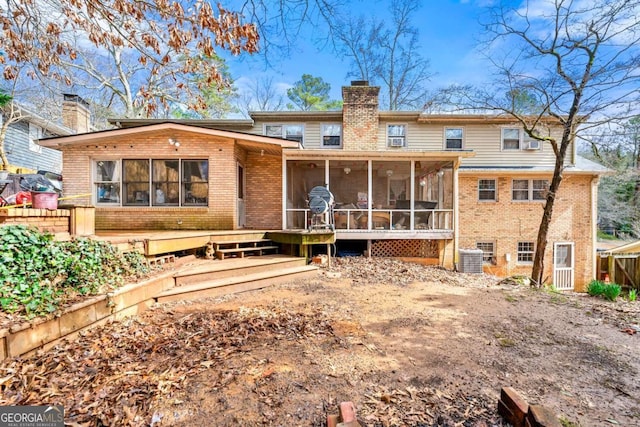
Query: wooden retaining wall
point(123, 302)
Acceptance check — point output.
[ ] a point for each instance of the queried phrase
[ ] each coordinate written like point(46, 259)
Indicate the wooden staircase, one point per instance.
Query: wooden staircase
point(211, 278)
point(242, 247)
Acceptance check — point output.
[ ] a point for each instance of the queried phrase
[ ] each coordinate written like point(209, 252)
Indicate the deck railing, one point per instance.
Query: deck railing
point(381, 219)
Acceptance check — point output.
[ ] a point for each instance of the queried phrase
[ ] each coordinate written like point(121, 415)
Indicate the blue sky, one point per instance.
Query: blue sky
point(449, 30)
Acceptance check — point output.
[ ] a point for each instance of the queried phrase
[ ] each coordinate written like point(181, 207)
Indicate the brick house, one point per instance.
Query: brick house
point(407, 184)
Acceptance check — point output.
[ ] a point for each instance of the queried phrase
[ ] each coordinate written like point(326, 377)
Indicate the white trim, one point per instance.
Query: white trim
point(444, 138)
point(283, 134)
point(322, 135)
point(495, 189)
point(530, 190)
point(562, 274)
point(533, 252)
point(520, 133)
point(404, 137)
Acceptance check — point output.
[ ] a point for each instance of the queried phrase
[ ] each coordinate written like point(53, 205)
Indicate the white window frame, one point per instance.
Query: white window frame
point(117, 183)
point(502, 138)
point(531, 190)
point(323, 133)
point(403, 136)
point(495, 190)
point(35, 132)
point(446, 138)
point(488, 257)
point(522, 253)
point(283, 130)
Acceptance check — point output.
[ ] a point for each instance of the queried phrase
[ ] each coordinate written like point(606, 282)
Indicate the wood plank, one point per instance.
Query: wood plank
point(626, 274)
point(162, 246)
point(239, 242)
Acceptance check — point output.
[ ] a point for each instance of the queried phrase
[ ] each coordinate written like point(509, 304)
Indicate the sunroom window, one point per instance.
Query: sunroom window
point(151, 182)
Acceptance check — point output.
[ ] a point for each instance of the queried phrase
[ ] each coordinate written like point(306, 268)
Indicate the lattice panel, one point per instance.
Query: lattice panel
point(405, 248)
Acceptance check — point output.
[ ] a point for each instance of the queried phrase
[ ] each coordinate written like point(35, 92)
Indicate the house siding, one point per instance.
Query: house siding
point(506, 223)
point(17, 148)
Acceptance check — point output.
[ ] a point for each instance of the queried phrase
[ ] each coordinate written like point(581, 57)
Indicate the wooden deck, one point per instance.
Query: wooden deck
point(211, 278)
point(153, 242)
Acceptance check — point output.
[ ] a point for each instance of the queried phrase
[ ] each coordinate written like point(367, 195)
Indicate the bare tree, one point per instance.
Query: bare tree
point(389, 56)
point(577, 62)
point(280, 23)
point(261, 95)
point(159, 37)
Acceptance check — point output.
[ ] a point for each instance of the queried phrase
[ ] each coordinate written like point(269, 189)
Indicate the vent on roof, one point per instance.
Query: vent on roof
point(470, 261)
point(359, 83)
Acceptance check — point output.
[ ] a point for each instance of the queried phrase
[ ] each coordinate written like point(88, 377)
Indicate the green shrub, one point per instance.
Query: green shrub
point(596, 287)
point(37, 273)
point(633, 295)
point(611, 291)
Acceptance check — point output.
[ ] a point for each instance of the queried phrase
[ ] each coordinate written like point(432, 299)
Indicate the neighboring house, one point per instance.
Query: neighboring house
point(25, 154)
point(404, 183)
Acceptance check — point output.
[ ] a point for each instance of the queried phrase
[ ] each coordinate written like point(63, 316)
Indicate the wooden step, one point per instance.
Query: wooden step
point(234, 267)
point(237, 243)
point(229, 285)
point(241, 252)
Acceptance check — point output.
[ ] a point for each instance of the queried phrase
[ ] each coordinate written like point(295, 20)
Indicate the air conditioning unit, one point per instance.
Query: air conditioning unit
point(470, 261)
point(396, 142)
point(534, 144)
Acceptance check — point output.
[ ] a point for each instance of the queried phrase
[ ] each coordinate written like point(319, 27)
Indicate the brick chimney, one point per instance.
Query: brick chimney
point(360, 116)
point(75, 113)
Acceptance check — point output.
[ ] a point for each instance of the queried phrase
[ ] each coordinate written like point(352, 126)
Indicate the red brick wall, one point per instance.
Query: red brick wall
point(506, 223)
point(223, 156)
point(360, 117)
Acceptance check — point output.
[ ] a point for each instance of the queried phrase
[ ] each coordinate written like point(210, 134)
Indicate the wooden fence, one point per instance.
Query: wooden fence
point(623, 269)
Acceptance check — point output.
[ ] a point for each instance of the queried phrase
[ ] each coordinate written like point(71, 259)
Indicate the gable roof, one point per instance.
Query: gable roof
point(245, 139)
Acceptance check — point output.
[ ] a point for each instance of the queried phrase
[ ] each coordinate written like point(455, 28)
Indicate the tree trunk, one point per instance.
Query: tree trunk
point(3, 154)
point(537, 272)
point(543, 230)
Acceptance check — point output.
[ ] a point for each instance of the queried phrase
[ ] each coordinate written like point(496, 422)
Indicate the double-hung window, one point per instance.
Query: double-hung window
point(292, 132)
point(487, 190)
point(396, 135)
point(107, 181)
point(453, 138)
point(511, 139)
point(331, 135)
point(526, 251)
point(529, 189)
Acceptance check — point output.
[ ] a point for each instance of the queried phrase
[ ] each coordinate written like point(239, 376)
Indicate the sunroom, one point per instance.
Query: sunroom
point(376, 195)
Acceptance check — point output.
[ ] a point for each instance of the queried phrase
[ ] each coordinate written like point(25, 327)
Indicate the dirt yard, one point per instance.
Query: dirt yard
point(409, 345)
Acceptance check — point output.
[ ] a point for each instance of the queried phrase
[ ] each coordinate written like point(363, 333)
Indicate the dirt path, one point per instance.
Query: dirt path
point(409, 345)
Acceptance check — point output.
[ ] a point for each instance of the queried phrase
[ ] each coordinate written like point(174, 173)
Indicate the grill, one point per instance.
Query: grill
point(321, 206)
